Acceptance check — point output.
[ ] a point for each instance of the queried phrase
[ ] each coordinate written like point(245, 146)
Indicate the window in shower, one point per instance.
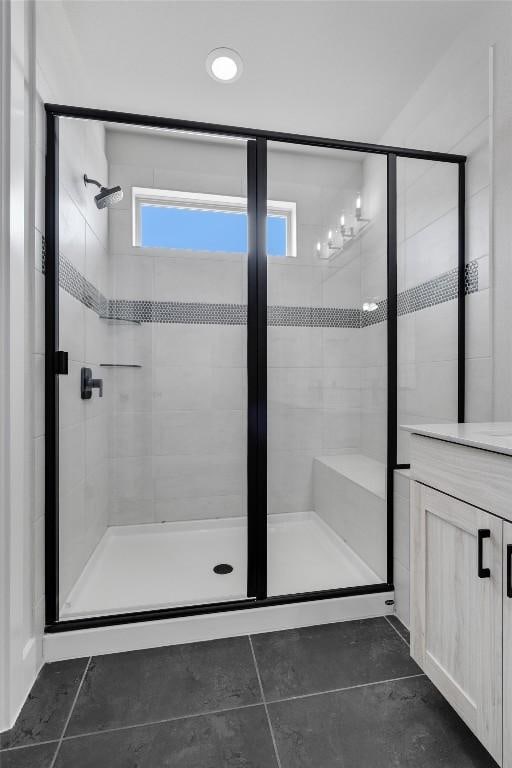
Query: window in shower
point(207, 222)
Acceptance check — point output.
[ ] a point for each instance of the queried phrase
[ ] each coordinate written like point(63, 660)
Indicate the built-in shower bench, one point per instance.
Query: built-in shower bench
point(350, 495)
point(369, 473)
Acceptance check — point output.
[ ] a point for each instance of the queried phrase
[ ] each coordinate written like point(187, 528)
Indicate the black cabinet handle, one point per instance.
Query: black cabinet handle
point(483, 533)
point(509, 570)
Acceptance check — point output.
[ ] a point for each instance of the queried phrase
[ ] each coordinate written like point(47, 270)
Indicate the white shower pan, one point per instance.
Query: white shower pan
point(142, 567)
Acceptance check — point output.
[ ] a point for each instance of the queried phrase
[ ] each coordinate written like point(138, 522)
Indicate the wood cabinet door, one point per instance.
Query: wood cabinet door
point(456, 607)
point(507, 645)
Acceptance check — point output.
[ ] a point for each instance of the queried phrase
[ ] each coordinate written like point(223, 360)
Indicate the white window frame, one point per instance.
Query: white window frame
point(202, 201)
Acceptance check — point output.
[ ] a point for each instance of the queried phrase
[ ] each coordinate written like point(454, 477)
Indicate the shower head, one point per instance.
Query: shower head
point(107, 196)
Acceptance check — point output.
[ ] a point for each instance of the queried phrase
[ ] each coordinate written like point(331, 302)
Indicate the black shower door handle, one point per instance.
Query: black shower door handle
point(509, 570)
point(61, 363)
point(483, 533)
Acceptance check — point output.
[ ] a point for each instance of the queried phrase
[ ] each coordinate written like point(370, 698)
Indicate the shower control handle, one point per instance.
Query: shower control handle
point(87, 384)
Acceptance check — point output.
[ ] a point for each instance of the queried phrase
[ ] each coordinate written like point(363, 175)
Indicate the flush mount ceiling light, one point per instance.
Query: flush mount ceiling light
point(224, 65)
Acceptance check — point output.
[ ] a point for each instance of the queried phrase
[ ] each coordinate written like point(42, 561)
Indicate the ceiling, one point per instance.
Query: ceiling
point(337, 69)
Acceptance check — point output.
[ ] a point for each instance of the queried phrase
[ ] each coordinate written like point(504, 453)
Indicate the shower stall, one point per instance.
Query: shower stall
point(229, 326)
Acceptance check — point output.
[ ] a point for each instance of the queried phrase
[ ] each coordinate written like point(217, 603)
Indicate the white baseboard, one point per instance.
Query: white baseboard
point(130, 637)
point(20, 686)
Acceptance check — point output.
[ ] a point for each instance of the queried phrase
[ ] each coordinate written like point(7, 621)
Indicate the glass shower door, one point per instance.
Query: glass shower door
point(152, 426)
point(327, 369)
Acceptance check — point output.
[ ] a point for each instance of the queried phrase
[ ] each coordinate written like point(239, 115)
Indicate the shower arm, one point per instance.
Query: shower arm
point(87, 180)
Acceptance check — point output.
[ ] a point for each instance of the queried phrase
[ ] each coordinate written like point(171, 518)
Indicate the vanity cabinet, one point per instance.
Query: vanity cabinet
point(457, 607)
point(507, 645)
point(461, 583)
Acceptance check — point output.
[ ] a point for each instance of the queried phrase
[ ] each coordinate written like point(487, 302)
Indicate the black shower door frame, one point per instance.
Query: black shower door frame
point(56, 360)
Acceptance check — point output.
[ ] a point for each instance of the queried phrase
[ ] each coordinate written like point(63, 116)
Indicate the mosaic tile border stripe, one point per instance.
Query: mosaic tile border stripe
point(194, 313)
point(442, 288)
point(78, 286)
point(229, 314)
point(314, 317)
point(428, 294)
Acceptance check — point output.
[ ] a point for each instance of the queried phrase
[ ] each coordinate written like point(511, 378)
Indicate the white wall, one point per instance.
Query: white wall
point(31, 74)
point(20, 527)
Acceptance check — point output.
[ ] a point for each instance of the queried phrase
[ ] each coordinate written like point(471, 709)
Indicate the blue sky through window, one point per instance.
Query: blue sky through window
point(205, 230)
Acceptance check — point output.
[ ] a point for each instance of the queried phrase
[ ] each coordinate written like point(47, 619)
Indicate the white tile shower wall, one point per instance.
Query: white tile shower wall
point(313, 373)
point(427, 202)
point(84, 492)
point(187, 402)
point(374, 288)
point(178, 429)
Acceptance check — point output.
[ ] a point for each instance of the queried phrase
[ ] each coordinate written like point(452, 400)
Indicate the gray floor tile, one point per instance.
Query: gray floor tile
point(322, 658)
point(38, 756)
point(239, 738)
point(46, 710)
point(404, 724)
point(160, 683)
point(400, 628)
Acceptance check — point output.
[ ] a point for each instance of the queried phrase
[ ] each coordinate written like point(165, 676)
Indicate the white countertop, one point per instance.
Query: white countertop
point(492, 436)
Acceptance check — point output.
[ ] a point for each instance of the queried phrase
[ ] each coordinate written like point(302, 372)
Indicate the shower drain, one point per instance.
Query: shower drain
point(223, 568)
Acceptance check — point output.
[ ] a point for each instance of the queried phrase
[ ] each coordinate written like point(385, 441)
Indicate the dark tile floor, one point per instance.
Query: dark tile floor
point(336, 696)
